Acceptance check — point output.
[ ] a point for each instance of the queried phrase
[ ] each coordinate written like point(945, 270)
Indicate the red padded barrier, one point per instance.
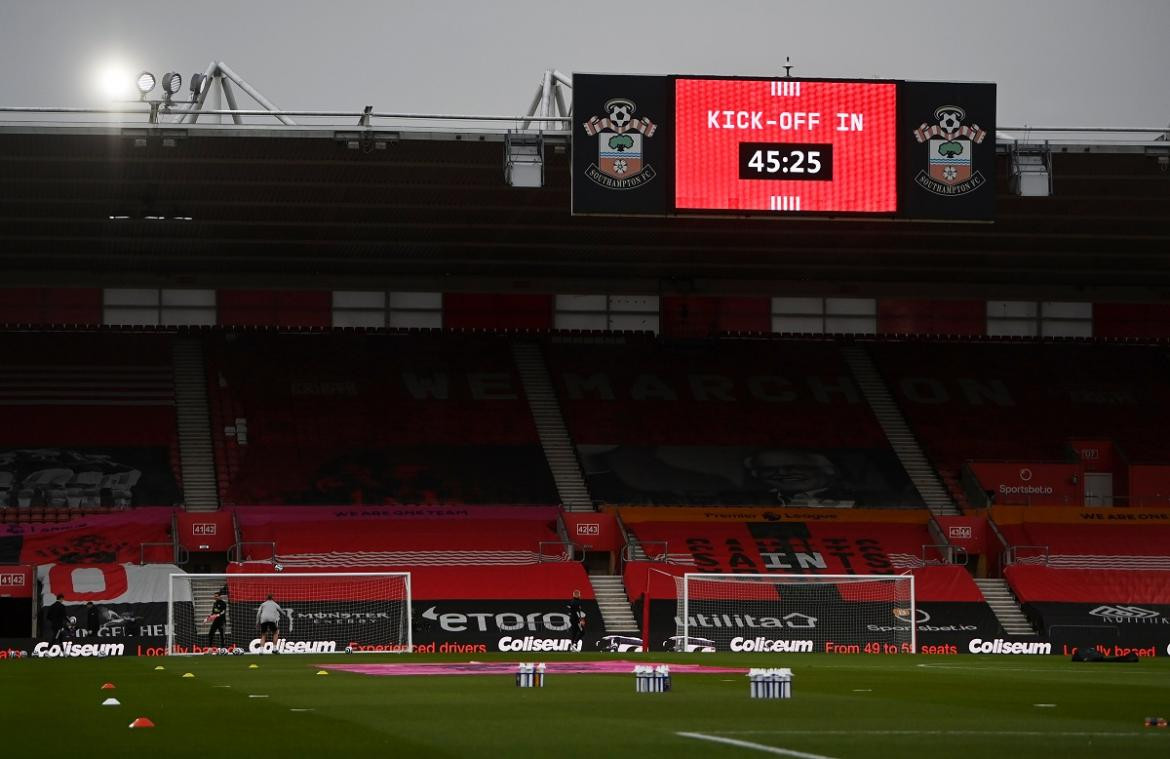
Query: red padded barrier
point(51, 305)
point(317, 531)
point(1035, 584)
point(1092, 539)
point(98, 539)
point(275, 308)
point(539, 582)
point(497, 311)
point(931, 317)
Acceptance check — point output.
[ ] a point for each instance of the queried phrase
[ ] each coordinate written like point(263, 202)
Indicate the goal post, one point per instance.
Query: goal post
point(320, 612)
point(777, 613)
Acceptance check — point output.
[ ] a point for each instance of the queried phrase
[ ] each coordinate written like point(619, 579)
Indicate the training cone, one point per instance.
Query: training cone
point(188, 674)
point(253, 666)
point(107, 686)
point(141, 722)
point(156, 669)
point(322, 672)
point(111, 702)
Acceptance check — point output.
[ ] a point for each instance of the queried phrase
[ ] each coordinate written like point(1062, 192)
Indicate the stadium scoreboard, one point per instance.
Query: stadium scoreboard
point(688, 145)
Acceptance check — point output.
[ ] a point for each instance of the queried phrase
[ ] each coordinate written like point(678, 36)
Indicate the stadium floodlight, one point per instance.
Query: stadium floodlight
point(171, 82)
point(146, 82)
point(524, 160)
point(1031, 174)
point(196, 85)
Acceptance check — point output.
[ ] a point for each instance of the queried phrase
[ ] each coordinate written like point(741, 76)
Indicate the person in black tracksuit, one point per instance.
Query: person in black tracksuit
point(93, 620)
point(219, 611)
point(55, 619)
point(576, 618)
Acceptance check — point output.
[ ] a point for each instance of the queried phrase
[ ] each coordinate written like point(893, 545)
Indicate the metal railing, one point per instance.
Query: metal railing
point(243, 551)
point(948, 554)
point(1008, 138)
point(563, 551)
point(152, 115)
point(649, 550)
point(1025, 554)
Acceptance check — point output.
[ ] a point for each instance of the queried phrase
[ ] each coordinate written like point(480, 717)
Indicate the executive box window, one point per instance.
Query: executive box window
point(822, 316)
point(155, 307)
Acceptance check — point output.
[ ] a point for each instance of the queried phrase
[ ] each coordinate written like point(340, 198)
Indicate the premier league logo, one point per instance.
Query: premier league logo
point(620, 163)
point(950, 153)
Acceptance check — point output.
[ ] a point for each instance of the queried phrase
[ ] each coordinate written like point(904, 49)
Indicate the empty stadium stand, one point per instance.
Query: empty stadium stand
point(88, 421)
point(354, 418)
point(731, 422)
point(400, 536)
point(1023, 401)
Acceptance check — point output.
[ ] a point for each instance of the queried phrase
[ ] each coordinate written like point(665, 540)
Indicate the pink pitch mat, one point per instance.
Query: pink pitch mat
point(619, 667)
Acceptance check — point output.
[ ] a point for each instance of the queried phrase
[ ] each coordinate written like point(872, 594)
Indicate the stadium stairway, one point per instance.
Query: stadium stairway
point(921, 473)
point(550, 425)
point(196, 454)
point(615, 607)
point(632, 544)
point(1003, 604)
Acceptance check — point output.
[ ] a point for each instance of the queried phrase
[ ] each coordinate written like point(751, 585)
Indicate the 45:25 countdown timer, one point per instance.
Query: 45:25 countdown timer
point(785, 160)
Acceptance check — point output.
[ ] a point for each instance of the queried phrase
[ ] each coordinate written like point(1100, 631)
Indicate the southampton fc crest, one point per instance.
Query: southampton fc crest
point(620, 162)
point(950, 153)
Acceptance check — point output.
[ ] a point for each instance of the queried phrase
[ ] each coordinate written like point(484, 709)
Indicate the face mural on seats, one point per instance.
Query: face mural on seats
point(792, 475)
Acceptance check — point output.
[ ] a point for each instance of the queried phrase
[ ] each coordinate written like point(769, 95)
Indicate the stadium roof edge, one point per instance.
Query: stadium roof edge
point(1056, 140)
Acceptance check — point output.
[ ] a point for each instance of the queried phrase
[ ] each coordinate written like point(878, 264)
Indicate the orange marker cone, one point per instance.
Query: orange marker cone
point(141, 722)
point(107, 686)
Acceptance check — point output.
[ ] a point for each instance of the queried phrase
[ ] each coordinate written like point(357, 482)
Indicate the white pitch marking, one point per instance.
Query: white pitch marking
point(257, 695)
point(1134, 673)
point(221, 686)
point(1002, 733)
point(863, 690)
point(753, 746)
point(300, 710)
point(1045, 706)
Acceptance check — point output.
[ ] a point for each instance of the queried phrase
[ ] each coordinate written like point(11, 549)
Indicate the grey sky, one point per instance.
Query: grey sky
point(1057, 62)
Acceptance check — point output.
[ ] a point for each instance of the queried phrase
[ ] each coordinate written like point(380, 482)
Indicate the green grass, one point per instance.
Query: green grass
point(848, 706)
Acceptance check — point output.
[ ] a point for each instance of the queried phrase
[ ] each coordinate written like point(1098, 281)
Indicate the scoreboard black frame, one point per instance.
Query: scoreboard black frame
point(745, 146)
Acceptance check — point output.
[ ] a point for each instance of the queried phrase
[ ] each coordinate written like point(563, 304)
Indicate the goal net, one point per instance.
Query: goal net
point(319, 612)
point(796, 613)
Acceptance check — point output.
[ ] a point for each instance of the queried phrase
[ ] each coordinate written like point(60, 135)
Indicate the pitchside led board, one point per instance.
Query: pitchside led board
point(683, 145)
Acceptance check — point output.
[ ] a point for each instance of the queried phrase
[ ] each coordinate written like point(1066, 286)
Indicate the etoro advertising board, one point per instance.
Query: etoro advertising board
point(687, 145)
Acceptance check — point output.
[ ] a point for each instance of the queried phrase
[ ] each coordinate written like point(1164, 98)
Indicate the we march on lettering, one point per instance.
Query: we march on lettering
point(768, 388)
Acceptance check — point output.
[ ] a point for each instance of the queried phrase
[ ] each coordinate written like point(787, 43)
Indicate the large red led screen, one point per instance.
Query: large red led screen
point(785, 146)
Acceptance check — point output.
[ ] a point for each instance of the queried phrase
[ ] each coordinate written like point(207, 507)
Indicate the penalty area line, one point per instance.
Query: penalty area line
point(957, 733)
point(753, 746)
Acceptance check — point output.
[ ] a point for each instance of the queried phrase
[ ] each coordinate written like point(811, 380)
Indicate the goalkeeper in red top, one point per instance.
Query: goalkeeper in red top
point(218, 619)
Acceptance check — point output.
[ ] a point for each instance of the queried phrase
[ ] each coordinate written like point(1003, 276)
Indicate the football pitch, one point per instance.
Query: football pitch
point(847, 706)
